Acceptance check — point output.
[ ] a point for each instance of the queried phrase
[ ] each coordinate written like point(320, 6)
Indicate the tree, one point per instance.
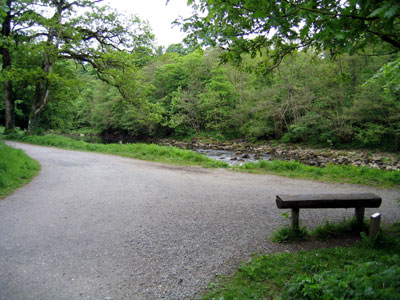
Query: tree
point(375, 114)
point(11, 15)
point(63, 30)
point(277, 28)
point(177, 48)
point(6, 63)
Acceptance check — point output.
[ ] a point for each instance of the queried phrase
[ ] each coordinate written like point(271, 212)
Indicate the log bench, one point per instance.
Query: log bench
point(357, 201)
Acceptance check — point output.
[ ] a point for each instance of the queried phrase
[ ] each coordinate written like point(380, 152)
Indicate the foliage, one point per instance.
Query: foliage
point(372, 273)
point(376, 107)
point(366, 280)
point(36, 35)
point(276, 29)
point(16, 169)
point(191, 94)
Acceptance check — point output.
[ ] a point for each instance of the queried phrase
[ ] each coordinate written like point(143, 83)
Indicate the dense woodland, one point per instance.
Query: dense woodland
point(100, 73)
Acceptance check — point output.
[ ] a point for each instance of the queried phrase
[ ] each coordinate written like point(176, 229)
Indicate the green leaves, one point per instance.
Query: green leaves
point(367, 280)
point(388, 10)
point(338, 26)
point(47, 32)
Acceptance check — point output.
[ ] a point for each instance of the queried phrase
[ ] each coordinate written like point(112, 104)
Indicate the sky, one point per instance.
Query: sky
point(159, 15)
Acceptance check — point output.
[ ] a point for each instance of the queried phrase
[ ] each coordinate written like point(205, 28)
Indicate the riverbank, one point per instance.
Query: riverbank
point(241, 151)
point(319, 157)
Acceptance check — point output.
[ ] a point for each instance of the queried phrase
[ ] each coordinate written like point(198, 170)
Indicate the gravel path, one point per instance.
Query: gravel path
point(95, 226)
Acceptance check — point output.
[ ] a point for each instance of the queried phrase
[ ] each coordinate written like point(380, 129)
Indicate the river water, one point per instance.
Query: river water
point(231, 157)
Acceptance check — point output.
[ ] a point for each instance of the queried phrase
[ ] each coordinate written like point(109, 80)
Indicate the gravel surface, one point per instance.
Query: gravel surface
point(95, 226)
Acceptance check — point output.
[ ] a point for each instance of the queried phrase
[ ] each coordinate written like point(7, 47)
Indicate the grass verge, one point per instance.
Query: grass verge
point(335, 173)
point(368, 270)
point(16, 169)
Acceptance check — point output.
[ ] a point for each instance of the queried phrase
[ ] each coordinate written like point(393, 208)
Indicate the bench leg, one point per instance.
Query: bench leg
point(374, 226)
point(295, 218)
point(359, 214)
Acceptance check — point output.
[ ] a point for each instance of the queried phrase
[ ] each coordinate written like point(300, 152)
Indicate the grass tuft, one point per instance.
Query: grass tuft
point(330, 230)
point(288, 235)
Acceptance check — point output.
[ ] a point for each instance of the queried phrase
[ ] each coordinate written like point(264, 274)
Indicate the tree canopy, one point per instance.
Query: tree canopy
point(36, 34)
point(276, 28)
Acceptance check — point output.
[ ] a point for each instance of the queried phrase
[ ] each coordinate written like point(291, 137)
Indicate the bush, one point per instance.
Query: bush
point(313, 128)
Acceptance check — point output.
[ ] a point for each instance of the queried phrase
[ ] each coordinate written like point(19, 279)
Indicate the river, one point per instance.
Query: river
point(232, 157)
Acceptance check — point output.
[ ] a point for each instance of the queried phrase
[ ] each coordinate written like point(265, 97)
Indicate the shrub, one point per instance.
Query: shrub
point(367, 280)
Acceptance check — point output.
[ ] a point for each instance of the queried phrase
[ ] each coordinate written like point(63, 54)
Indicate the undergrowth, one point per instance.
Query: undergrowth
point(288, 235)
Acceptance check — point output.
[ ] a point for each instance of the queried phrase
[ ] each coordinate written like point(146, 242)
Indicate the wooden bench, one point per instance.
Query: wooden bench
point(357, 201)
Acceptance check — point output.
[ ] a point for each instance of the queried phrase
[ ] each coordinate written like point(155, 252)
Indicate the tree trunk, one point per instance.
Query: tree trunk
point(10, 106)
point(42, 89)
point(39, 102)
point(9, 100)
point(33, 123)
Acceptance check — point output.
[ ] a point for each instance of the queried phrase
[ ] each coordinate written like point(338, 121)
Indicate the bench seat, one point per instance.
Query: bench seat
point(328, 200)
point(303, 201)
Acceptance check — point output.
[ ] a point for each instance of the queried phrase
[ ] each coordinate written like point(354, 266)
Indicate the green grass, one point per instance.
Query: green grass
point(16, 169)
point(174, 155)
point(330, 230)
point(149, 152)
point(358, 272)
point(335, 173)
point(287, 234)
